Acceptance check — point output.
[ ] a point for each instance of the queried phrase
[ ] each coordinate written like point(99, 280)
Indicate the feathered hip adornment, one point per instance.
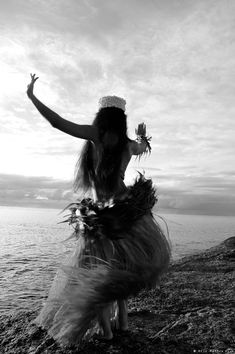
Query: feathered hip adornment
point(104, 220)
point(120, 250)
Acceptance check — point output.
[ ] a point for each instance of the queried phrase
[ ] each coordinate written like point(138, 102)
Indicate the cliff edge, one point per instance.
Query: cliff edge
point(191, 312)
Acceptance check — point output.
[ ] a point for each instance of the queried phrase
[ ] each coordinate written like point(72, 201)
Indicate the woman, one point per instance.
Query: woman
point(120, 249)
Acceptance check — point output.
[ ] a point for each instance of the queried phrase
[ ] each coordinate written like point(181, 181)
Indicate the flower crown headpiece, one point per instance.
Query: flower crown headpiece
point(112, 101)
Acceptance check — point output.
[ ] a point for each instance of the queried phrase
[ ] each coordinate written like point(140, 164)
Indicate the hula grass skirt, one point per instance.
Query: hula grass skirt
point(120, 250)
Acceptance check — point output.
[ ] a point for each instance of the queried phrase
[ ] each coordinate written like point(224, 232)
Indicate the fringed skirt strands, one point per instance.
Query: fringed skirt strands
point(120, 250)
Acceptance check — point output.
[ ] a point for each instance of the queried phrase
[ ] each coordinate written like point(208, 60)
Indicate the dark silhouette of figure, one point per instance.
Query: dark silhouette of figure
point(120, 248)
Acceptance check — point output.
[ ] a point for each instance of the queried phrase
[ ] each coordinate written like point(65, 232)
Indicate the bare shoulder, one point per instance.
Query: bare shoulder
point(94, 133)
point(137, 147)
point(88, 132)
point(133, 147)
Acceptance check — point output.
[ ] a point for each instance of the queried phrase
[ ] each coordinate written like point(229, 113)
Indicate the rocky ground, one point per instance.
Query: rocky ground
point(192, 312)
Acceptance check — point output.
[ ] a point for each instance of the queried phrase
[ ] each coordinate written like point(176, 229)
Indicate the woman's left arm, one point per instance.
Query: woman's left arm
point(87, 132)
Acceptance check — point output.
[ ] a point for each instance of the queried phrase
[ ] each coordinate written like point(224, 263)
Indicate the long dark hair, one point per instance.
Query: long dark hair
point(101, 168)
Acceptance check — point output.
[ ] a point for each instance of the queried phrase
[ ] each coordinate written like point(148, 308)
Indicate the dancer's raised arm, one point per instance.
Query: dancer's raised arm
point(87, 132)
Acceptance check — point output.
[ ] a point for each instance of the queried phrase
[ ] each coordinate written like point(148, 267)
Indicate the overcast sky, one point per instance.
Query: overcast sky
point(172, 60)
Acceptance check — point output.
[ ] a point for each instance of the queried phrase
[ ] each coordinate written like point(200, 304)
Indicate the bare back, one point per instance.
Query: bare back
point(126, 157)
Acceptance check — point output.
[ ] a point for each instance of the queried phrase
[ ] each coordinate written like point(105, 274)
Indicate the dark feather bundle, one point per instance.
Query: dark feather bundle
point(96, 219)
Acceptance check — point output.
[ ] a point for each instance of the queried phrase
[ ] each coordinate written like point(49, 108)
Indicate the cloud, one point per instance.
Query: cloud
point(212, 195)
point(199, 204)
point(172, 60)
point(195, 194)
point(21, 182)
point(34, 191)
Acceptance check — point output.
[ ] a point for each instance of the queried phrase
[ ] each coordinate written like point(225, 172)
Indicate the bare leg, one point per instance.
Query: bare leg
point(123, 315)
point(104, 320)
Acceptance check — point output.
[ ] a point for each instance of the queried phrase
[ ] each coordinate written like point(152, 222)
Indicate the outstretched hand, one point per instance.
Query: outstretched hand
point(30, 87)
point(141, 130)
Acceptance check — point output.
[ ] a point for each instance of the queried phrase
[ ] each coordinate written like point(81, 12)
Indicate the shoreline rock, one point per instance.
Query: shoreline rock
point(191, 312)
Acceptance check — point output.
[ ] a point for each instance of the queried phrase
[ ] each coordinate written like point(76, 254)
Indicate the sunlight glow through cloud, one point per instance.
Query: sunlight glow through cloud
point(172, 60)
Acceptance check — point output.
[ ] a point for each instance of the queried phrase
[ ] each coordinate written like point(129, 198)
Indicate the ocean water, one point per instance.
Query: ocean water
point(32, 247)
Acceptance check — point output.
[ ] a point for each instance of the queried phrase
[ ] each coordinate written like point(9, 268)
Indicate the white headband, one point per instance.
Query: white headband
point(112, 101)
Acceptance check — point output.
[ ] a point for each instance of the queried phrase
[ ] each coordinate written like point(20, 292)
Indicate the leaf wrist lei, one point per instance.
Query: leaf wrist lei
point(146, 139)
